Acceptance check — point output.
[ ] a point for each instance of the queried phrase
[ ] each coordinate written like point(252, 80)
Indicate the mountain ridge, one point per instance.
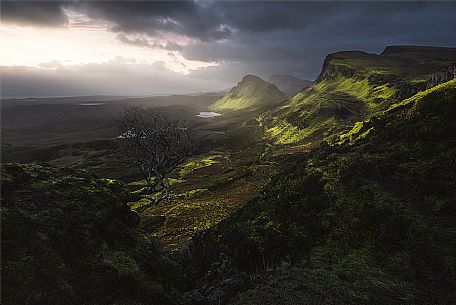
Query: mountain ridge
point(352, 86)
point(289, 84)
point(250, 93)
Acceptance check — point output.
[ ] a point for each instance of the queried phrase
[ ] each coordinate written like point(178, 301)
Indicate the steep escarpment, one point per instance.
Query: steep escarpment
point(444, 75)
point(354, 85)
point(251, 92)
point(370, 220)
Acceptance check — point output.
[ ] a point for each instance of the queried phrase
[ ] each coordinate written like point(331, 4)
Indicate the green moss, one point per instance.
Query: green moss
point(365, 134)
point(110, 181)
point(143, 183)
point(197, 163)
point(285, 133)
point(417, 98)
point(413, 104)
point(320, 111)
point(361, 89)
point(357, 133)
point(140, 204)
point(69, 237)
point(191, 193)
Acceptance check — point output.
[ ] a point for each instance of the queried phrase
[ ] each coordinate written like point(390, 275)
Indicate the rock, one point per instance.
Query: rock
point(216, 294)
point(332, 71)
point(194, 296)
point(444, 75)
point(407, 90)
point(378, 79)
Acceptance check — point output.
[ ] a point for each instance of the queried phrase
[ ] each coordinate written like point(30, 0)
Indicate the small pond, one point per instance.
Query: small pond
point(91, 104)
point(207, 114)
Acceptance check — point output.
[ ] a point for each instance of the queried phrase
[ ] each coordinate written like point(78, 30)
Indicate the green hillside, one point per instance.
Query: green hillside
point(344, 194)
point(351, 87)
point(70, 238)
point(251, 92)
point(368, 221)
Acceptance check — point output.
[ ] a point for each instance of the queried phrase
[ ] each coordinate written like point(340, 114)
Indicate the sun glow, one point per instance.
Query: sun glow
point(84, 41)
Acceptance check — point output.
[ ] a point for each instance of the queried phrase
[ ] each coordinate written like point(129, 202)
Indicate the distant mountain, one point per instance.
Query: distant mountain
point(251, 92)
point(289, 84)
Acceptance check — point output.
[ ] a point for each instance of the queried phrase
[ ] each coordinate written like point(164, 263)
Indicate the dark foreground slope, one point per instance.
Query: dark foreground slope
point(69, 238)
point(369, 221)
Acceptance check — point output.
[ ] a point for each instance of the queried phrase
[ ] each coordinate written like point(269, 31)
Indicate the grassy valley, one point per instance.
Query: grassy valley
point(367, 221)
point(341, 194)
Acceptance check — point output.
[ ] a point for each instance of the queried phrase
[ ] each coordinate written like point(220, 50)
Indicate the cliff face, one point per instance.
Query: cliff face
point(395, 63)
point(406, 90)
point(444, 75)
point(333, 65)
point(352, 86)
point(332, 71)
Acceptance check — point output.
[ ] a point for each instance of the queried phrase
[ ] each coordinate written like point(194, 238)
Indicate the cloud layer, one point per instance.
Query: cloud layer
point(254, 37)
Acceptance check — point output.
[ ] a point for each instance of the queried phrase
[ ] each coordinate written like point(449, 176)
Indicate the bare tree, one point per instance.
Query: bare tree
point(156, 141)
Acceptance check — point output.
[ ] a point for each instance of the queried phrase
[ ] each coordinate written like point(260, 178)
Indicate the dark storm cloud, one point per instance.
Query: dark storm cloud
point(188, 18)
point(208, 20)
point(41, 13)
point(352, 26)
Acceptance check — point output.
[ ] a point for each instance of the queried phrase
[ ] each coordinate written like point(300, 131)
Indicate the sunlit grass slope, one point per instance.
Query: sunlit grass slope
point(251, 92)
point(369, 221)
point(351, 87)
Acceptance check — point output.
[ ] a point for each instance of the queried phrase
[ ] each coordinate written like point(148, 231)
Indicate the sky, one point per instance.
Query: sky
point(66, 48)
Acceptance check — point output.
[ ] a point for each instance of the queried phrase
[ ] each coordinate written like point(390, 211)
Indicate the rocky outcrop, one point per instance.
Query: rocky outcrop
point(406, 90)
point(380, 79)
point(444, 75)
point(331, 71)
point(215, 294)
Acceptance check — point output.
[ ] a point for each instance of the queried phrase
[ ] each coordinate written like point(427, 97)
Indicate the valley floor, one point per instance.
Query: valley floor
point(337, 196)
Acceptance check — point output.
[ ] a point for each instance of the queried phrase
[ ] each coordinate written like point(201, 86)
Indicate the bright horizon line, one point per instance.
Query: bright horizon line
point(112, 95)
